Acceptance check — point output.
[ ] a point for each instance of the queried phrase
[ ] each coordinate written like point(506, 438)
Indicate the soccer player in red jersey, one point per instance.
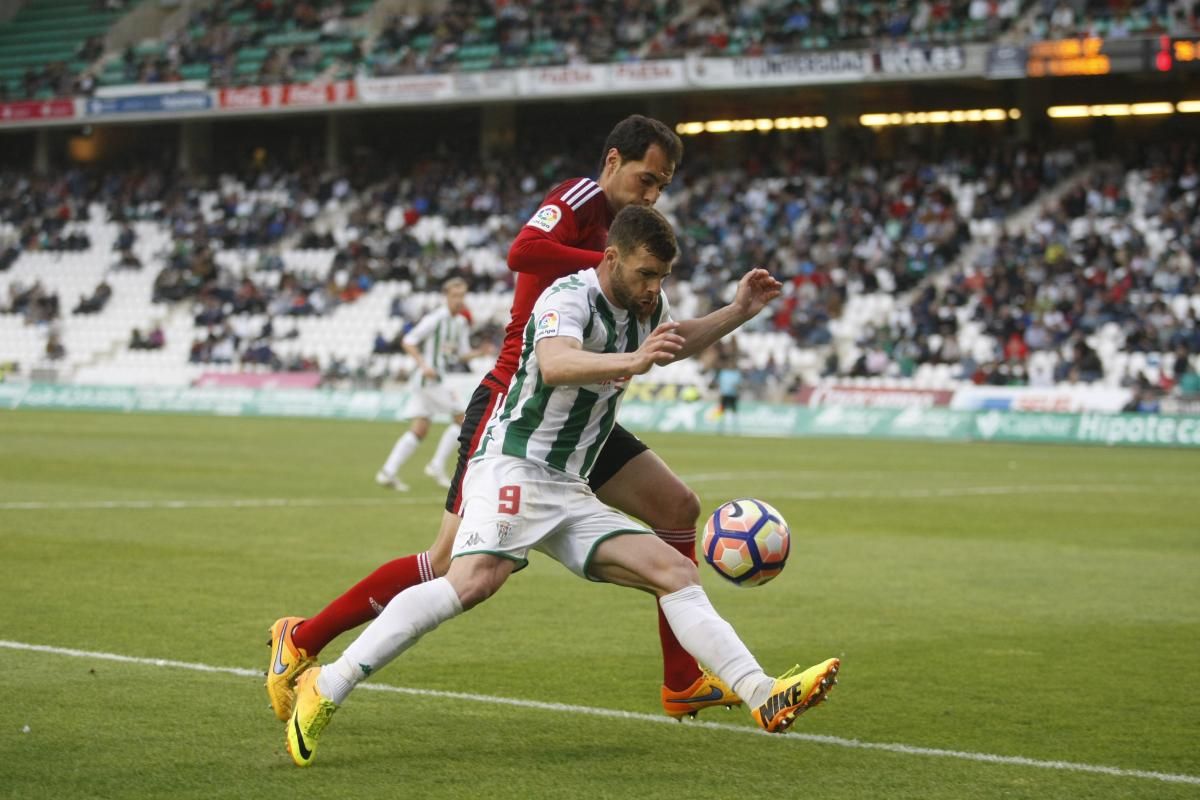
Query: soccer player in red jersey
point(566, 234)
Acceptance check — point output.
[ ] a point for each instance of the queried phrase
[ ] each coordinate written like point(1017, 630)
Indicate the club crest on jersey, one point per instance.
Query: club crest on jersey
point(547, 324)
point(546, 218)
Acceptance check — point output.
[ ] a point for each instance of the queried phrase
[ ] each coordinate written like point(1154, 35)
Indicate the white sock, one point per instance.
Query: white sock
point(445, 446)
point(409, 616)
point(404, 447)
point(713, 642)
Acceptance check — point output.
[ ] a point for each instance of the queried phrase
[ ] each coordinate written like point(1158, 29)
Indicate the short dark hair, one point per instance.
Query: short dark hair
point(641, 226)
point(633, 136)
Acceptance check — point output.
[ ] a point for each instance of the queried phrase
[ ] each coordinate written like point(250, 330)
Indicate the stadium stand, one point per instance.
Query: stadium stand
point(1099, 287)
point(780, 26)
point(472, 35)
point(476, 35)
point(243, 42)
point(251, 274)
point(239, 43)
point(931, 265)
point(229, 43)
point(47, 49)
point(1057, 19)
point(224, 261)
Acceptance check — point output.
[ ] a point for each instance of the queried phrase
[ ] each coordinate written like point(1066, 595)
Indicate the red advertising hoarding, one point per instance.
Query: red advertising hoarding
point(287, 96)
point(36, 109)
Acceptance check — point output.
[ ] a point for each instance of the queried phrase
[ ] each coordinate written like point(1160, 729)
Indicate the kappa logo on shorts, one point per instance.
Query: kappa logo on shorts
point(474, 540)
point(546, 218)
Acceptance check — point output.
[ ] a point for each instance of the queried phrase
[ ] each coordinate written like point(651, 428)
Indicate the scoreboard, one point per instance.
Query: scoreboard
point(1183, 54)
point(1092, 56)
point(1095, 56)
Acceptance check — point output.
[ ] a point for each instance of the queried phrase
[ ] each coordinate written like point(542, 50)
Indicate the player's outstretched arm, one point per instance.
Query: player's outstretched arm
point(546, 255)
point(563, 361)
point(755, 290)
point(415, 353)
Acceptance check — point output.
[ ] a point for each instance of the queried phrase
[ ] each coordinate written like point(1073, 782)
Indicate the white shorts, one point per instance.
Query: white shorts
point(512, 506)
point(433, 399)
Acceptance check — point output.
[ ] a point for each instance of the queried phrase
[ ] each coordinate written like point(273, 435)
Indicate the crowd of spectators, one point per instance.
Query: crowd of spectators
point(52, 79)
point(725, 27)
point(833, 228)
point(477, 34)
point(34, 302)
point(58, 77)
point(485, 201)
point(266, 42)
point(244, 340)
point(255, 210)
point(829, 228)
point(1062, 19)
point(42, 209)
point(1105, 267)
point(259, 42)
point(257, 213)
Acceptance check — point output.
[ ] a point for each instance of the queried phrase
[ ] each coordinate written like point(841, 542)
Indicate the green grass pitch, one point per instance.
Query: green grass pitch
point(987, 601)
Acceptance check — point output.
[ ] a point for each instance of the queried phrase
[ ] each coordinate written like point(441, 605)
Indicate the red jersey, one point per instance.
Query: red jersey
point(567, 233)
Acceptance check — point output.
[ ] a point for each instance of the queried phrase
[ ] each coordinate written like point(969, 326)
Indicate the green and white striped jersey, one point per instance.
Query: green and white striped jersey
point(564, 427)
point(443, 338)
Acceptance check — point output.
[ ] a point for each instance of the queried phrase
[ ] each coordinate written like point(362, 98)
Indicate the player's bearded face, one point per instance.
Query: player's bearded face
point(636, 281)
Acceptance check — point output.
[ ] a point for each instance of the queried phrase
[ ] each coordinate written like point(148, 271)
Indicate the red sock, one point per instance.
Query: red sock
point(362, 602)
point(680, 670)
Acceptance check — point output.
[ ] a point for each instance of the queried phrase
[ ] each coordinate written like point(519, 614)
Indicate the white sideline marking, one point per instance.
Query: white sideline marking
point(718, 477)
point(611, 713)
point(962, 491)
point(252, 502)
point(306, 502)
point(888, 494)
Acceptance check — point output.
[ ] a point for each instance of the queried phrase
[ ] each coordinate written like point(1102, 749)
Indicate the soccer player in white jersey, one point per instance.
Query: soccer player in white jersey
point(439, 340)
point(527, 489)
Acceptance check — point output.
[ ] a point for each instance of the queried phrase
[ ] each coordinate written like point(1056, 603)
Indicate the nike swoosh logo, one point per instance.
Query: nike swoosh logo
point(305, 753)
point(280, 667)
point(713, 694)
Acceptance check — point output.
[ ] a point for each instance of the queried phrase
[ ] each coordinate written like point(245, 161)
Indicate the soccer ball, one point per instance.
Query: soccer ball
point(747, 541)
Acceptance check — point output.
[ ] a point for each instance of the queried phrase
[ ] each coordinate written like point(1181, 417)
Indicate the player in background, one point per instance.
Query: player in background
point(728, 379)
point(439, 340)
point(527, 486)
point(566, 234)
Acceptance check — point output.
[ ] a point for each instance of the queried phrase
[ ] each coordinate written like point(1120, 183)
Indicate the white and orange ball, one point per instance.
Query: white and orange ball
point(747, 541)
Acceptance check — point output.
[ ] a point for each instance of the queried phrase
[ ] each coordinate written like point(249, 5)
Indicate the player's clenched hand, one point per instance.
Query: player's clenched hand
point(660, 347)
point(755, 290)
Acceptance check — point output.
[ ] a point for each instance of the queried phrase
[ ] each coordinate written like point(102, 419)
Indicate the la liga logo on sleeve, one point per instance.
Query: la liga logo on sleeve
point(547, 324)
point(546, 218)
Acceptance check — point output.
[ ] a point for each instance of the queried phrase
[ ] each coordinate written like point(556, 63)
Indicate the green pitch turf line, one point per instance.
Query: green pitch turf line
point(563, 708)
point(303, 502)
point(247, 502)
